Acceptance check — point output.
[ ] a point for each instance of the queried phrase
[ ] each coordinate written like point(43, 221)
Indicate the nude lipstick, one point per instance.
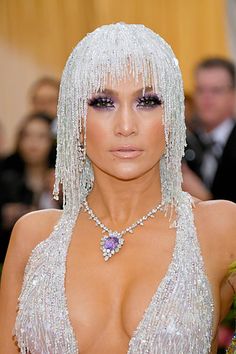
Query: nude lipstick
point(126, 151)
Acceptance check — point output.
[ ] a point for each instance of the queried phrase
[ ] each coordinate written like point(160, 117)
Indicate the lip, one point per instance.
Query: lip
point(126, 151)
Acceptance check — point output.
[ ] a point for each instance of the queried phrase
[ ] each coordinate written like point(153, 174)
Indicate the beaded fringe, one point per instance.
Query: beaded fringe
point(107, 55)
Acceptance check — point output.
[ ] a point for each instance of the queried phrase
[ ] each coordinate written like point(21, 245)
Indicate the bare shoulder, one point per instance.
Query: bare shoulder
point(31, 229)
point(216, 221)
point(217, 213)
point(28, 231)
point(39, 220)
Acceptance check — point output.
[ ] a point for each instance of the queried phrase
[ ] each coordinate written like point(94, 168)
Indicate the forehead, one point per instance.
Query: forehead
point(215, 75)
point(45, 89)
point(127, 85)
point(35, 125)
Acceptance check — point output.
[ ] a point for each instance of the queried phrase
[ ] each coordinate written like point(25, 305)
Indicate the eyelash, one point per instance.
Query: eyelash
point(101, 102)
point(149, 98)
point(105, 102)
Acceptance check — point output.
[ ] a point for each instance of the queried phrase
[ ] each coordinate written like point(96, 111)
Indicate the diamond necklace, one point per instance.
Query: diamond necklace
point(112, 243)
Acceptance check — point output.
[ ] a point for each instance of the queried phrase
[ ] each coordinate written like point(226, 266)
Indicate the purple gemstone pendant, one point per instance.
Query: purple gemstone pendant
point(111, 244)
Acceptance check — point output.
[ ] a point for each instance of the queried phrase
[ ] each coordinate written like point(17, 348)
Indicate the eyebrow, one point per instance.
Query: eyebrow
point(114, 92)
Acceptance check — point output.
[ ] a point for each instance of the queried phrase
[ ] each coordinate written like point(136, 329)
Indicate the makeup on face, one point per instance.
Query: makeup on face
point(132, 117)
point(126, 151)
point(109, 99)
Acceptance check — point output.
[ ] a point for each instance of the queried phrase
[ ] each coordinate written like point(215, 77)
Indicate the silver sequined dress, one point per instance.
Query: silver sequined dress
point(179, 317)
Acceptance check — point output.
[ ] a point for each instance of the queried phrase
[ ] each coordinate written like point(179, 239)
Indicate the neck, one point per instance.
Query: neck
point(210, 127)
point(121, 202)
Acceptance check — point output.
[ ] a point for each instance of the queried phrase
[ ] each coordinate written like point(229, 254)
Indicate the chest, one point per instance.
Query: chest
point(154, 296)
point(113, 295)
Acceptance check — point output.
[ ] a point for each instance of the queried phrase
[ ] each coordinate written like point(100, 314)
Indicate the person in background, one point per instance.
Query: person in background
point(189, 111)
point(211, 146)
point(192, 181)
point(210, 171)
point(25, 175)
point(121, 139)
point(43, 97)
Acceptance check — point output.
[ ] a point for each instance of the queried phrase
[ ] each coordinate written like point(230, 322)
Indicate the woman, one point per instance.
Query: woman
point(123, 269)
point(25, 172)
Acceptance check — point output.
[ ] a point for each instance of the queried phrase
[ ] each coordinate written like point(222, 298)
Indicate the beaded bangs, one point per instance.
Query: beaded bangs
point(107, 55)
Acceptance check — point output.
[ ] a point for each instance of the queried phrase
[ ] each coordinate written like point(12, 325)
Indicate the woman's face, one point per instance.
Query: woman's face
point(36, 142)
point(125, 134)
point(45, 100)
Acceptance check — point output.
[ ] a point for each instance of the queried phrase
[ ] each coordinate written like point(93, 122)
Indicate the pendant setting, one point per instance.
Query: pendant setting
point(111, 244)
point(113, 241)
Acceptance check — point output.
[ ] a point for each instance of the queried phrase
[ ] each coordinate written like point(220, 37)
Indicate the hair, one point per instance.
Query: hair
point(109, 54)
point(219, 63)
point(43, 81)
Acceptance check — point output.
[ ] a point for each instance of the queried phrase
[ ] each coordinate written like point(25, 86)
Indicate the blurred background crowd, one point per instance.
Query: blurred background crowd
point(35, 39)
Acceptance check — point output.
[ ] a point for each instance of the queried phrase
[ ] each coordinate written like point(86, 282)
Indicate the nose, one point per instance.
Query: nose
point(126, 122)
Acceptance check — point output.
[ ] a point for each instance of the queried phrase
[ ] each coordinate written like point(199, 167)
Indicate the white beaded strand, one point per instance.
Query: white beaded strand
point(107, 55)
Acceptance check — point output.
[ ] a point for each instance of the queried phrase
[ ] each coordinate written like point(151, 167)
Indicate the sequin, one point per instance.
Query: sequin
point(107, 55)
point(179, 317)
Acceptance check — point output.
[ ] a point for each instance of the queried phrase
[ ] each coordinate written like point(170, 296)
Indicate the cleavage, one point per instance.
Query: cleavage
point(113, 295)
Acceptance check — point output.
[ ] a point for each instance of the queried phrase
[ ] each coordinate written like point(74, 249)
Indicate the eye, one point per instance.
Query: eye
point(101, 102)
point(149, 101)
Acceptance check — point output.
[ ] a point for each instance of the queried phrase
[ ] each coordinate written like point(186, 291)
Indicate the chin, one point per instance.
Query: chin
point(127, 177)
point(209, 116)
point(127, 174)
point(211, 121)
point(124, 171)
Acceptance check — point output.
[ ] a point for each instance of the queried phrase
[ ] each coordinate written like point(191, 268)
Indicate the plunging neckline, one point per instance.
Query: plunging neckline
point(183, 294)
point(146, 310)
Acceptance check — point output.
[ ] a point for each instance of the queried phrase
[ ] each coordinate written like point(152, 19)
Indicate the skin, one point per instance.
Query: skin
point(214, 96)
point(45, 100)
point(106, 300)
point(36, 142)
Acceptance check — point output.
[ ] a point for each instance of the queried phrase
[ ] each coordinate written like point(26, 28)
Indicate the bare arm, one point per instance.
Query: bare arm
point(228, 290)
point(216, 226)
point(11, 281)
point(25, 236)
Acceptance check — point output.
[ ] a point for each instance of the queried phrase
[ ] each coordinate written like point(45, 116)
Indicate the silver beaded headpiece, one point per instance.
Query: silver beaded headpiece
point(115, 52)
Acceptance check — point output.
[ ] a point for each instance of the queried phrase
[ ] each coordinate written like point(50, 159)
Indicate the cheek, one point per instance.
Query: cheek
point(156, 138)
point(46, 145)
point(150, 136)
point(97, 134)
point(24, 144)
